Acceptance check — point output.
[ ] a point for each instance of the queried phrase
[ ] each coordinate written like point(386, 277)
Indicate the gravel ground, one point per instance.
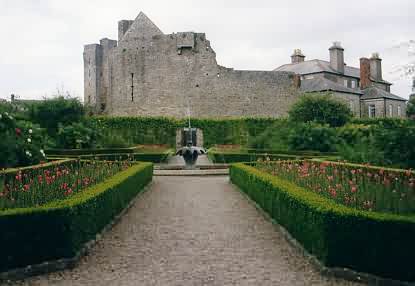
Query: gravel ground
point(191, 231)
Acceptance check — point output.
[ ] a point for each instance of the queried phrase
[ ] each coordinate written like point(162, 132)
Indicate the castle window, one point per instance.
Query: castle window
point(399, 111)
point(390, 110)
point(345, 82)
point(372, 111)
point(132, 86)
point(353, 84)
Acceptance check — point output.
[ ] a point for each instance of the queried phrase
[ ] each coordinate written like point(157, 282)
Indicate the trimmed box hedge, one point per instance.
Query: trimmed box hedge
point(78, 152)
point(376, 243)
point(61, 228)
point(220, 157)
point(143, 157)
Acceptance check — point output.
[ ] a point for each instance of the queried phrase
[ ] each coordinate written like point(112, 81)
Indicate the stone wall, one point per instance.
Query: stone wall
point(382, 107)
point(153, 74)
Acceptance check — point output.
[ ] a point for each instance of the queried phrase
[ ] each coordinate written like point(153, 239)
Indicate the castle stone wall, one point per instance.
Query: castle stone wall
point(152, 74)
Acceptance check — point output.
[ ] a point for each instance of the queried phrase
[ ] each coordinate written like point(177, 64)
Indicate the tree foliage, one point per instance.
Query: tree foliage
point(321, 108)
point(60, 110)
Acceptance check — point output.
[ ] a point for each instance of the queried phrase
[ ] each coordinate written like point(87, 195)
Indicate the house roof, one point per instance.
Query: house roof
point(318, 66)
point(323, 84)
point(375, 93)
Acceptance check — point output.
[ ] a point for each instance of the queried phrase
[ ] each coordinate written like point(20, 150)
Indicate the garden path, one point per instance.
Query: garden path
point(191, 231)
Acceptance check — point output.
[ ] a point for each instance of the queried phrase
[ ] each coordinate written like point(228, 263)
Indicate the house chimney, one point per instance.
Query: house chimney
point(376, 67)
point(365, 81)
point(337, 57)
point(297, 57)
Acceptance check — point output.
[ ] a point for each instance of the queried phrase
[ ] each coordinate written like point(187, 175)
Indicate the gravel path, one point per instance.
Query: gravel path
point(191, 231)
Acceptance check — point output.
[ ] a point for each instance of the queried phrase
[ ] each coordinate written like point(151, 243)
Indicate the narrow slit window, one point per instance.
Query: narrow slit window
point(132, 86)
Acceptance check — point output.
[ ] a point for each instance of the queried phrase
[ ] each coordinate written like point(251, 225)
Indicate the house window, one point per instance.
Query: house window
point(399, 111)
point(390, 110)
point(345, 82)
point(353, 84)
point(372, 111)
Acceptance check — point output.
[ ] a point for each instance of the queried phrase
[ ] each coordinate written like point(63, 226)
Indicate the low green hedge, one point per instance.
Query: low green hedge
point(292, 152)
point(377, 243)
point(78, 152)
point(142, 157)
point(61, 228)
point(220, 157)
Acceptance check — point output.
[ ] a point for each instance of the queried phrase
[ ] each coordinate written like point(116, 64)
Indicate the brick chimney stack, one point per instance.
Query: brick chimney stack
point(376, 67)
point(297, 57)
point(365, 81)
point(337, 57)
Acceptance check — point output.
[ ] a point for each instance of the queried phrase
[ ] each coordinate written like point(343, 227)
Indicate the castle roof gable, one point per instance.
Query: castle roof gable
point(142, 27)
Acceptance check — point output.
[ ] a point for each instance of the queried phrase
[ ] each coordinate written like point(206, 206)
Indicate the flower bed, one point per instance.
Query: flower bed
point(358, 186)
point(339, 236)
point(31, 187)
point(60, 229)
point(218, 155)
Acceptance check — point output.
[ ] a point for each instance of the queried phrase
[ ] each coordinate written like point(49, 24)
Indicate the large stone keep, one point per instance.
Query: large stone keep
point(148, 73)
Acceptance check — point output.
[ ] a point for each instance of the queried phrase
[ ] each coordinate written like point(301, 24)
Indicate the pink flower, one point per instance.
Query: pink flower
point(353, 189)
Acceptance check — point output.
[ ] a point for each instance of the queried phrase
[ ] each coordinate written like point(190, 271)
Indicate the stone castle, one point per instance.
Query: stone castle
point(149, 73)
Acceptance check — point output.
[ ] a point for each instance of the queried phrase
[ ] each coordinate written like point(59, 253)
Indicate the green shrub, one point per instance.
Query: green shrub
point(274, 137)
point(60, 229)
point(321, 108)
point(313, 136)
point(51, 112)
point(21, 144)
point(381, 244)
point(387, 142)
point(410, 108)
point(76, 136)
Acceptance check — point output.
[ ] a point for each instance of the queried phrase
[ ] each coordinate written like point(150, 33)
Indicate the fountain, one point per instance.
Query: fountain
point(189, 152)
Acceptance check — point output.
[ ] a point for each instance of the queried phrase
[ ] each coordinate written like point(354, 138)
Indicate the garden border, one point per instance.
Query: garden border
point(105, 188)
point(341, 272)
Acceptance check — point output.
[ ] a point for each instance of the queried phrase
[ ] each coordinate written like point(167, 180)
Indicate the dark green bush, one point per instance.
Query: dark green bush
point(321, 108)
point(77, 135)
point(410, 108)
point(21, 142)
point(50, 112)
point(60, 229)
point(376, 243)
point(313, 136)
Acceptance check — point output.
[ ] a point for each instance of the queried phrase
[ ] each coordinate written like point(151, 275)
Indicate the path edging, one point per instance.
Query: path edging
point(68, 263)
point(343, 273)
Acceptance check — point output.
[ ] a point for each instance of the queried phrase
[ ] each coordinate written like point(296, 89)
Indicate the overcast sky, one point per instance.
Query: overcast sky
point(42, 40)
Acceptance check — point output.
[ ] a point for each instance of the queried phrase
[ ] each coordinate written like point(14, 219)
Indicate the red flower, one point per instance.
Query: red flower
point(353, 189)
point(26, 187)
point(18, 131)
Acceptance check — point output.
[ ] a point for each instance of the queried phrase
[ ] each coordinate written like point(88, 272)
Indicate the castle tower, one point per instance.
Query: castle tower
point(141, 28)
